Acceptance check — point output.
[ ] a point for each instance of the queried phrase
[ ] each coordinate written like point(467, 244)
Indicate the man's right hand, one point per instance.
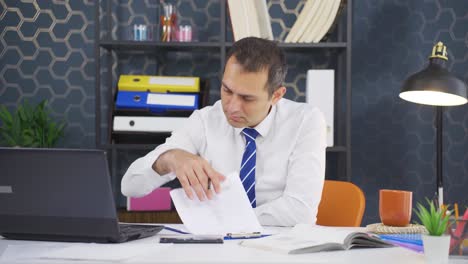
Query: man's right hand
point(193, 172)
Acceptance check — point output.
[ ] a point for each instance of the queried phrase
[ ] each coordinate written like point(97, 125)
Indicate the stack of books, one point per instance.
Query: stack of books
point(314, 21)
point(154, 104)
point(250, 19)
point(409, 241)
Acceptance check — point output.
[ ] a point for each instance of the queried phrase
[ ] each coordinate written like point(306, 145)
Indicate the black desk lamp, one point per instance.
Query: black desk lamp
point(436, 86)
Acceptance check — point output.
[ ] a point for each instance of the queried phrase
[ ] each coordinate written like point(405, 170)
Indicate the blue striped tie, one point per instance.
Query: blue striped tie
point(247, 171)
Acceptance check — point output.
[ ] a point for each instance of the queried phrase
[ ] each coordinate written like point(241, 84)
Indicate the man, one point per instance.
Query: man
point(276, 145)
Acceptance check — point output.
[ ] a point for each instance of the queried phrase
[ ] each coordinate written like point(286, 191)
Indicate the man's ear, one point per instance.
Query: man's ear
point(278, 94)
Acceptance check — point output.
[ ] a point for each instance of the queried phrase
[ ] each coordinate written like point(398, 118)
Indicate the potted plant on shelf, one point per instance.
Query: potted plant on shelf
point(29, 126)
point(437, 242)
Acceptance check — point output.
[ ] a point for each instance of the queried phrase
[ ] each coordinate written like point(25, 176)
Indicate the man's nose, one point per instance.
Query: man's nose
point(234, 104)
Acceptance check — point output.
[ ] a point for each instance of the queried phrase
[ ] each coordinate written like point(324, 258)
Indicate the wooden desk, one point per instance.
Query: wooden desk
point(148, 217)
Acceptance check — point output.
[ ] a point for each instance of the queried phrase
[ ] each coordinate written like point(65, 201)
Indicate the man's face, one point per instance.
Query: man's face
point(244, 95)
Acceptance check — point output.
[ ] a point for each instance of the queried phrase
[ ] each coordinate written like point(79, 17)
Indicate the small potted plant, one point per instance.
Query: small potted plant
point(29, 126)
point(437, 241)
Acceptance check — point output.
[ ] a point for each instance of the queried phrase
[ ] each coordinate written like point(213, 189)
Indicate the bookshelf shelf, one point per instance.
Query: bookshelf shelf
point(306, 46)
point(129, 45)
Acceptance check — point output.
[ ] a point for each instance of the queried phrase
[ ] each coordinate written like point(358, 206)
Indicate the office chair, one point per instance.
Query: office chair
point(342, 204)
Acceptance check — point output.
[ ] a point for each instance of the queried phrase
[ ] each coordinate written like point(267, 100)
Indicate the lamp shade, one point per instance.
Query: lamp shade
point(434, 85)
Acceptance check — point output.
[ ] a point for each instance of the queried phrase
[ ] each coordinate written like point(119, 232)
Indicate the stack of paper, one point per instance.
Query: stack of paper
point(250, 18)
point(228, 212)
point(314, 21)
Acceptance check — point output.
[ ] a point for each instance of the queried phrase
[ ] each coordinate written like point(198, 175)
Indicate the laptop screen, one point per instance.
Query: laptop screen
point(56, 191)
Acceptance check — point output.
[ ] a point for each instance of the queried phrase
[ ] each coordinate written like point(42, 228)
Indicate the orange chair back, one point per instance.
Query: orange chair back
point(342, 204)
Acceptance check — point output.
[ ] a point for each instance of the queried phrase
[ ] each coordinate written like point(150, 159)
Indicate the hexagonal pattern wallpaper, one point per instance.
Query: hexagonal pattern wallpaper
point(47, 52)
point(393, 141)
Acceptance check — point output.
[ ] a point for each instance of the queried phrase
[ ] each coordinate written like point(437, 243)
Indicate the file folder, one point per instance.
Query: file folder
point(148, 123)
point(158, 200)
point(156, 102)
point(320, 92)
point(161, 84)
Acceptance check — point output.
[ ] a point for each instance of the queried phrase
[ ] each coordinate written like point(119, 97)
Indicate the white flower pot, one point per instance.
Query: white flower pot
point(436, 248)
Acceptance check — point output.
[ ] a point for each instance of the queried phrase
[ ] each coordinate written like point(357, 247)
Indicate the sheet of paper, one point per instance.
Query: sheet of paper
point(31, 251)
point(103, 252)
point(228, 212)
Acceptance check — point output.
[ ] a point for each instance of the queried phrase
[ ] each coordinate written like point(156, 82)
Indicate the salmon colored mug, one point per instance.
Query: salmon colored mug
point(395, 207)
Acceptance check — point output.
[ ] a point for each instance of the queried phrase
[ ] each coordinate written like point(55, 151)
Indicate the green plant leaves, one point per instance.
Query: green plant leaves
point(435, 220)
point(29, 126)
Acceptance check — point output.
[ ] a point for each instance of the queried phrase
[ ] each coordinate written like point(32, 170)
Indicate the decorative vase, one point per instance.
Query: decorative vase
point(436, 248)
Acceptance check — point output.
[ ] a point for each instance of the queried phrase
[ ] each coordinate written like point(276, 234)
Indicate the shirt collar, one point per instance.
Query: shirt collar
point(264, 127)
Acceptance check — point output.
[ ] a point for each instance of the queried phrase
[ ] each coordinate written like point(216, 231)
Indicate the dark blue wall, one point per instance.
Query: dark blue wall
point(393, 140)
point(46, 51)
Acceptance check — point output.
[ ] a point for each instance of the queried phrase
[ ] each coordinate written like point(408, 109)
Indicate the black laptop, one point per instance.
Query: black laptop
point(60, 195)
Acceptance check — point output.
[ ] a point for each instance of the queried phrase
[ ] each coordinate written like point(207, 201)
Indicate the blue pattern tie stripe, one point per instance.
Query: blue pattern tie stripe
point(247, 171)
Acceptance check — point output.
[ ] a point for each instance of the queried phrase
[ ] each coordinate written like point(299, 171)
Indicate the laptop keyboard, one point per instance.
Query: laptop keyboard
point(132, 231)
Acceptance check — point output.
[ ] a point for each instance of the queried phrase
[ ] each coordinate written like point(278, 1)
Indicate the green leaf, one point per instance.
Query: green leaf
point(434, 219)
point(9, 141)
point(5, 116)
point(30, 126)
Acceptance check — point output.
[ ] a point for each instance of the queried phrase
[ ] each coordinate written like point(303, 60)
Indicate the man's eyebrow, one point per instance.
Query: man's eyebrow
point(225, 85)
point(243, 95)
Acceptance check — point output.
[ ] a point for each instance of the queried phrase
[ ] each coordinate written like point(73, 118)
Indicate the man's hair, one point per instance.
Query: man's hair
point(256, 54)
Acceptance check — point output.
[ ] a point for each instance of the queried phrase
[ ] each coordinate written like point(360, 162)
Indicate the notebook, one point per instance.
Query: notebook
point(305, 238)
point(61, 195)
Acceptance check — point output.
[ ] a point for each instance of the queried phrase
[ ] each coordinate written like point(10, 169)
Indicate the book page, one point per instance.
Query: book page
point(228, 212)
point(365, 240)
point(302, 238)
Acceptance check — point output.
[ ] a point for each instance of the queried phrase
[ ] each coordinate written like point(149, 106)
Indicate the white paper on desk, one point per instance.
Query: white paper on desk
point(31, 251)
point(228, 212)
point(103, 252)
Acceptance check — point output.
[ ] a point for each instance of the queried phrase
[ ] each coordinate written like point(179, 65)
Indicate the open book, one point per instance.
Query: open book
point(308, 239)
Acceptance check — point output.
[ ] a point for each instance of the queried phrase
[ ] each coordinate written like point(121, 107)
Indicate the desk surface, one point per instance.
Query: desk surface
point(229, 252)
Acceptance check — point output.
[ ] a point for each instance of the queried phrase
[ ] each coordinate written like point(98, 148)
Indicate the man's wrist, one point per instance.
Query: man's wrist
point(162, 164)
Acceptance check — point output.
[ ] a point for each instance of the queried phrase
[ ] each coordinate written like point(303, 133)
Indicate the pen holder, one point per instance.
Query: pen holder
point(458, 231)
point(168, 22)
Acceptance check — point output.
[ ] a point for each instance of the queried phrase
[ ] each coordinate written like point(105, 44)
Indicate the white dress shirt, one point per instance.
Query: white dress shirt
point(290, 166)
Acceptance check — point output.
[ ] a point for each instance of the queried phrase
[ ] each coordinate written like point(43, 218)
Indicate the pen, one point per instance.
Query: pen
point(175, 230)
point(455, 206)
point(232, 236)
